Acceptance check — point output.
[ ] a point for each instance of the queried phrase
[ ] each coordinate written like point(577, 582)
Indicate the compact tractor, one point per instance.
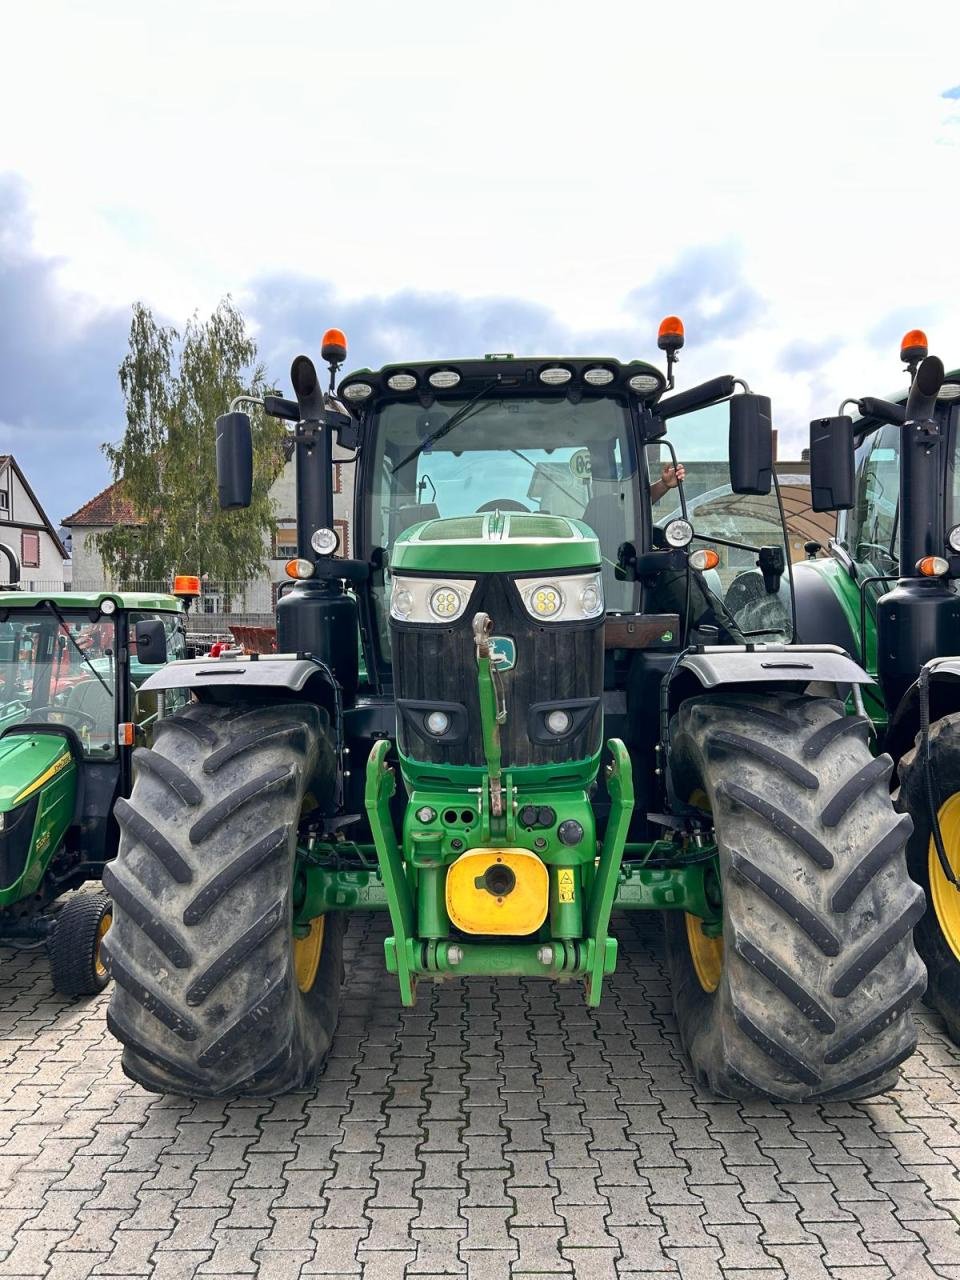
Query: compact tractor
point(887, 592)
point(543, 689)
point(70, 720)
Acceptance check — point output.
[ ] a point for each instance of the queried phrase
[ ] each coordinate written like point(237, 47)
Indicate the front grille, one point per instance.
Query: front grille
point(554, 663)
point(15, 841)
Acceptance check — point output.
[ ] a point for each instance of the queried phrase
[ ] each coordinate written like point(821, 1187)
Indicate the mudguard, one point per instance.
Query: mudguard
point(774, 664)
point(280, 671)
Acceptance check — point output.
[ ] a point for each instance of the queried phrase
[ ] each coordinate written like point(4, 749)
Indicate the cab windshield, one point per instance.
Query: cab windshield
point(540, 454)
point(61, 673)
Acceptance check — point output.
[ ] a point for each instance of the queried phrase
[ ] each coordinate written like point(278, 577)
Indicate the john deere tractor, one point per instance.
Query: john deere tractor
point(887, 591)
point(70, 717)
point(544, 688)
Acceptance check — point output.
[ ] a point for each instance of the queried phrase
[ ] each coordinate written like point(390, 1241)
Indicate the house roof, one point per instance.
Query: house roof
point(8, 460)
point(108, 508)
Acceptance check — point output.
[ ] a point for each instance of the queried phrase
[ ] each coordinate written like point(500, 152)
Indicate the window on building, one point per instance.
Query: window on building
point(4, 504)
point(285, 542)
point(30, 550)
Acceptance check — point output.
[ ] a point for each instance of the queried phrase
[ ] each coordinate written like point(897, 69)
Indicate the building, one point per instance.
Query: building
point(250, 601)
point(26, 530)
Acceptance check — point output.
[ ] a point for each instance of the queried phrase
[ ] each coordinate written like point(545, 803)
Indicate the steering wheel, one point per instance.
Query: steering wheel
point(503, 504)
point(37, 712)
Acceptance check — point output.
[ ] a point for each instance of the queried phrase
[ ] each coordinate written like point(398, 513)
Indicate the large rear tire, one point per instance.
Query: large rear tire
point(937, 935)
point(809, 994)
point(213, 993)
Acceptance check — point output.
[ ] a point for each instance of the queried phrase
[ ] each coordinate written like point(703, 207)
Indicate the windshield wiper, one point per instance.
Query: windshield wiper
point(60, 618)
point(446, 427)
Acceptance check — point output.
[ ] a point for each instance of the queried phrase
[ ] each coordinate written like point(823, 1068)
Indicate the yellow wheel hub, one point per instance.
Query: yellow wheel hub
point(706, 954)
point(99, 967)
point(306, 954)
point(946, 898)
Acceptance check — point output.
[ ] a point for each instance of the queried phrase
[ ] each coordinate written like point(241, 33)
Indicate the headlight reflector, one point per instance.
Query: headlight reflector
point(444, 378)
point(429, 599)
point(949, 391)
point(555, 376)
point(559, 722)
point(643, 383)
point(953, 538)
point(401, 382)
point(598, 377)
point(572, 598)
point(437, 723)
point(325, 541)
point(678, 533)
point(357, 391)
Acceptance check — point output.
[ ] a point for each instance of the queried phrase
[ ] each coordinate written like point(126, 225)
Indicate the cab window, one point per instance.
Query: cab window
point(871, 535)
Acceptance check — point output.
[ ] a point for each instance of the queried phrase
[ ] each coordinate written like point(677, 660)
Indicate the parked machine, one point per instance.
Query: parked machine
point(70, 718)
point(887, 592)
point(588, 700)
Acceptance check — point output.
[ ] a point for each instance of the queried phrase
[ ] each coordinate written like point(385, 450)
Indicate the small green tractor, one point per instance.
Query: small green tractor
point(549, 685)
point(70, 717)
point(887, 591)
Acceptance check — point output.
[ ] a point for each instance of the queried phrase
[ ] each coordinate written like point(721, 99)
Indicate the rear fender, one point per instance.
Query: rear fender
point(944, 700)
point(717, 666)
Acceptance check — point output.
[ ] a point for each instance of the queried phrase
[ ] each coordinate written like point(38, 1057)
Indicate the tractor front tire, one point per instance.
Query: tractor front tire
point(75, 945)
point(214, 994)
point(809, 994)
point(937, 935)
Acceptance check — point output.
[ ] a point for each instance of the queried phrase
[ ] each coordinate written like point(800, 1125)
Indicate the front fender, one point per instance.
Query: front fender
point(774, 664)
point(281, 671)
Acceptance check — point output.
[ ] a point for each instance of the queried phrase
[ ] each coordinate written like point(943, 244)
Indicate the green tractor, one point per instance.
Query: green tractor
point(70, 718)
point(887, 592)
point(550, 684)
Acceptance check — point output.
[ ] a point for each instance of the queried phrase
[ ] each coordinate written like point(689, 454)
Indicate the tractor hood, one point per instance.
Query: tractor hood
point(27, 762)
point(496, 542)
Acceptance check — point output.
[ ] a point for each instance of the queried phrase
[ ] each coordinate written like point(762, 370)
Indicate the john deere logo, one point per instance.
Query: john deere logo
point(503, 653)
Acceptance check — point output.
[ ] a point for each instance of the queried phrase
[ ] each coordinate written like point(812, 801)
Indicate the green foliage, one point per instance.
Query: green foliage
point(175, 387)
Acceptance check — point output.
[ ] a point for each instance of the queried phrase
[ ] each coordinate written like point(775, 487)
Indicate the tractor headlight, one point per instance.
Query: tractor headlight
point(953, 538)
point(569, 599)
point(678, 533)
point(429, 600)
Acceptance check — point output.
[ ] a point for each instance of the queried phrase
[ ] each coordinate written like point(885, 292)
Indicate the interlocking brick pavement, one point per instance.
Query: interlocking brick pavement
point(495, 1132)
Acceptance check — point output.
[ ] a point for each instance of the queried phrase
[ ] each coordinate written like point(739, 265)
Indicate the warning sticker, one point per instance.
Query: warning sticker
point(565, 885)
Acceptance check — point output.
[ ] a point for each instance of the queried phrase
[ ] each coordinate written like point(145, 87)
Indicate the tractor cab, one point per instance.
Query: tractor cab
point(70, 718)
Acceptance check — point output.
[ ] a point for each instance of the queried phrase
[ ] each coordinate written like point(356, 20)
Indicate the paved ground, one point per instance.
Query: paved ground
point(493, 1131)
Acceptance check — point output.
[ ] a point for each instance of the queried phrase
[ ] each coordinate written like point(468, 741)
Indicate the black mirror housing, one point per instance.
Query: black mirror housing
point(751, 444)
point(832, 464)
point(151, 640)
point(234, 461)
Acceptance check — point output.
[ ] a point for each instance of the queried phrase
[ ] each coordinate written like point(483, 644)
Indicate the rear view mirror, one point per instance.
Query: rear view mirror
point(751, 444)
point(234, 461)
point(831, 464)
point(151, 640)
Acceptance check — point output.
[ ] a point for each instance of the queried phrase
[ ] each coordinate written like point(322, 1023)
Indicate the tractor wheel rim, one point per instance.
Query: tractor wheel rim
point(705, 953)
point(99, 967)
point(945, 897)
point(306, 955)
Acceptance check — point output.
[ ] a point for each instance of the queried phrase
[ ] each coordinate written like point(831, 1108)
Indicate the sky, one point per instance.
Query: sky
point(441, 178)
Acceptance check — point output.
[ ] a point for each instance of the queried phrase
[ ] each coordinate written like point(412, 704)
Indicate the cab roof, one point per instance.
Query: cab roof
point(89, 600)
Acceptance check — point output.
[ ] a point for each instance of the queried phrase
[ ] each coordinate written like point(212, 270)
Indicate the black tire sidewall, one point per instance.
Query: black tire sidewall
point(73, 945)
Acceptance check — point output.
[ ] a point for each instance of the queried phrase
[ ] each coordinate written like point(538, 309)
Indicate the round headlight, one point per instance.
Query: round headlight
point(953, 538)
point(437, 723)
point(591, 600)
point(325, 541)
point(426, 814)
point(357, 391)
point(598, 377)
point(559, 722)
point(555, 376)
point(546, 599)
point(444, 378)
point(401, 382)
point(949, 391)
point(401, 602)
point(108, 606)
point(643, 383)
point(678, 533)
point(445, 602)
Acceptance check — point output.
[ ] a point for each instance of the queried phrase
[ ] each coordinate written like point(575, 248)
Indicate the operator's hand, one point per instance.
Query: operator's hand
point(672, 475)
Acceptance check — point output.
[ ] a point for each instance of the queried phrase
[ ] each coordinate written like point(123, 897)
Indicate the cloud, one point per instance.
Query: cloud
point(953, 93)
point(890, 328)
point(807, 355)
point(706, 286)
point(59, 396)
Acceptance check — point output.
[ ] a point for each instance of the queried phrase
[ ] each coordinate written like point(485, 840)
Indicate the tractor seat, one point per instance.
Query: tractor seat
point(90, 697)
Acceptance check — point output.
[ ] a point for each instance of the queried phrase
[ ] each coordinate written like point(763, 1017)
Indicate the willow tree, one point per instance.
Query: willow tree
point(174, 387)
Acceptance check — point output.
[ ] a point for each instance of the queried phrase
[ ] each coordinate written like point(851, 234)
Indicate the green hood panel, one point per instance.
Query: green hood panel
point(496, 542)
point(27, 762)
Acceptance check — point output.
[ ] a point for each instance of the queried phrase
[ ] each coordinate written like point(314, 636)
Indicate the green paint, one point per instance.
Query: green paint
point(496, 542)
point(136, 601)
point(38, 777)
point(620, 790)
point(381, 784)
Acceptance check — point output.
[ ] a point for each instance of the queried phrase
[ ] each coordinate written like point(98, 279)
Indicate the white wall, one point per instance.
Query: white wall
point(22, 508)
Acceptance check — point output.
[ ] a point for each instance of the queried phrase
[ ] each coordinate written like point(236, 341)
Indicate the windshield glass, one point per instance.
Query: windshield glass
point(61, 674)
point(519, 454)
point(733, 596)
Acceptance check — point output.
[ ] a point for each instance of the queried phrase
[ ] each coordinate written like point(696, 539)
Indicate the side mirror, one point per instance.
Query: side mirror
point(151, 640)
point(831, 464)
point(751, 444)
point(234, 461)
